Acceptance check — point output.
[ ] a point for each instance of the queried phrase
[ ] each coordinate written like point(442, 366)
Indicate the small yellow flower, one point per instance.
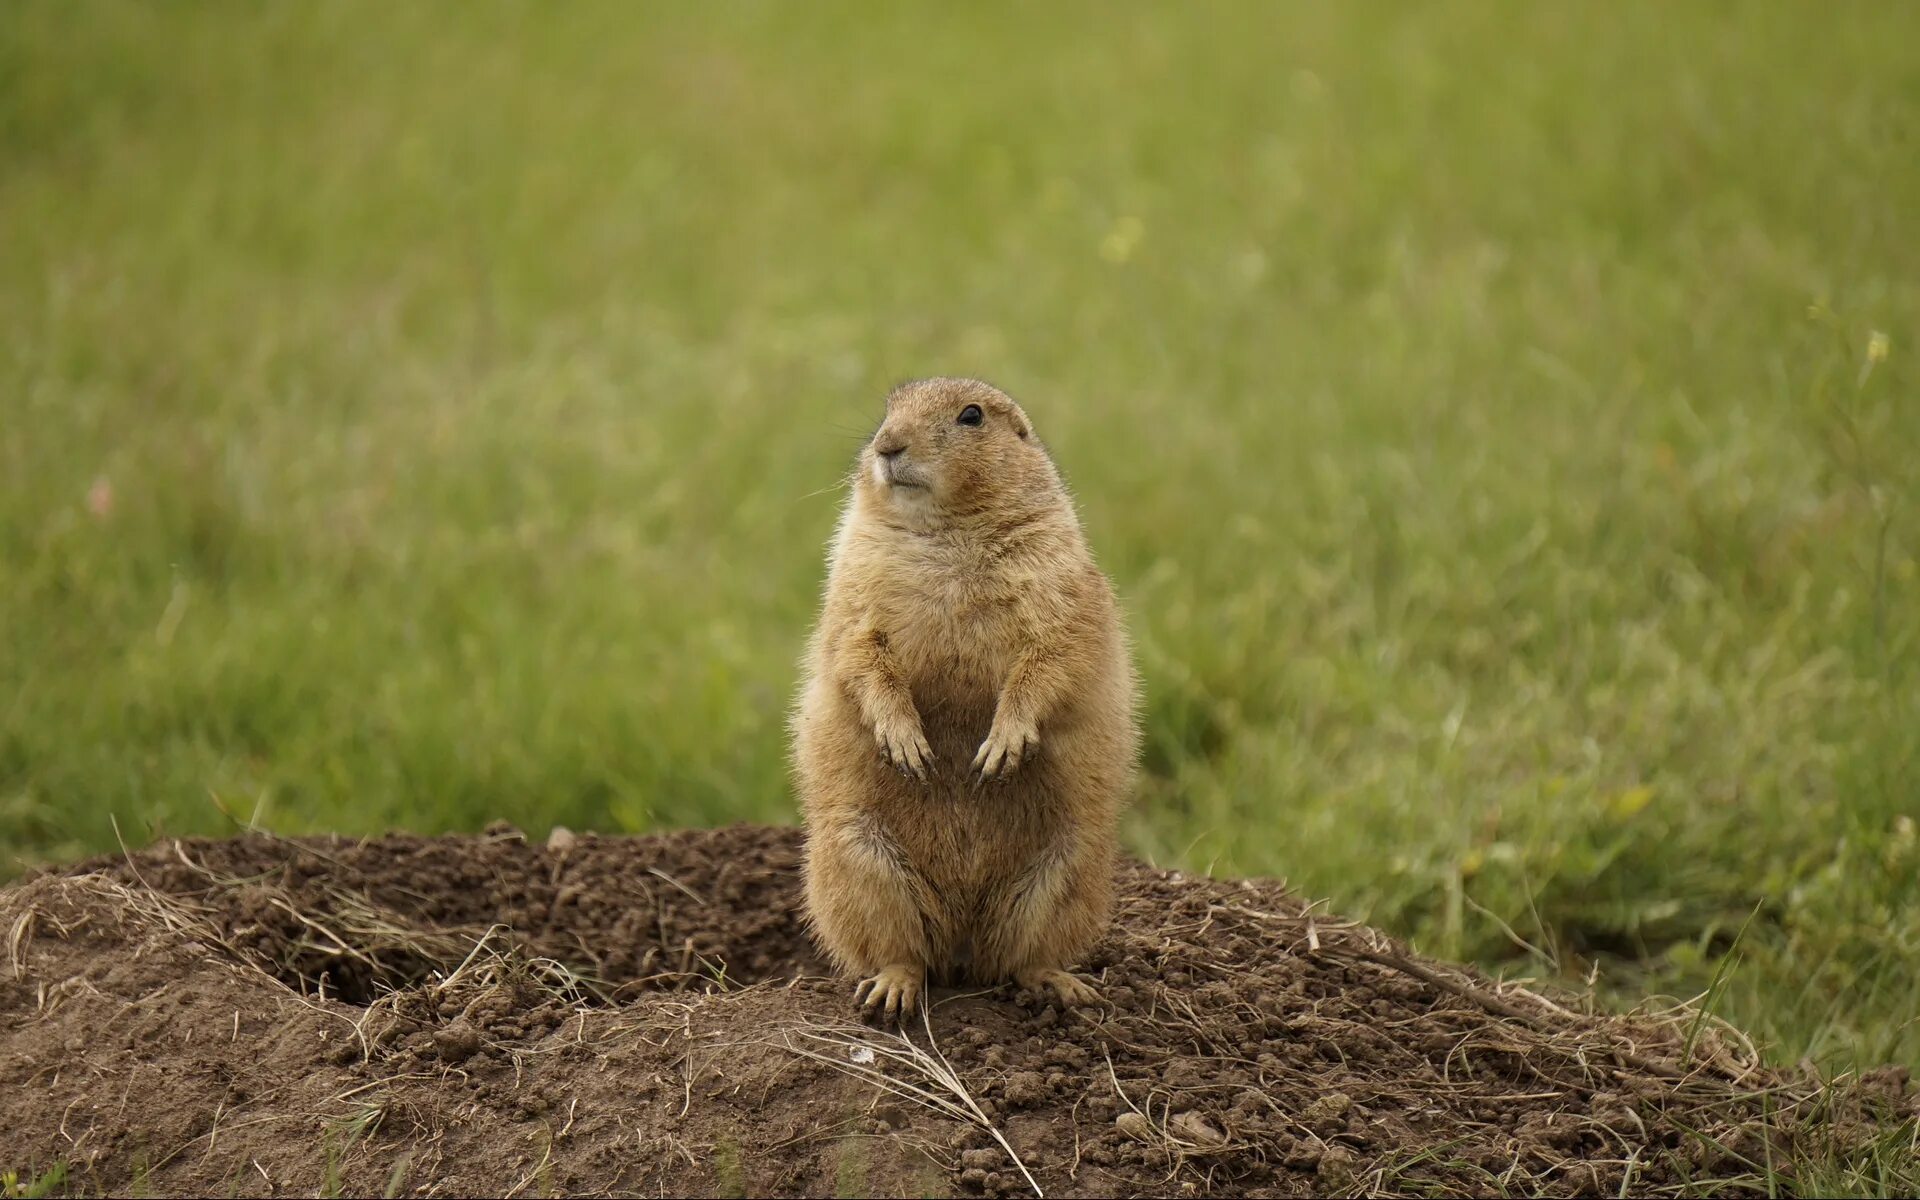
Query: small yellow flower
point(1628, 803)
point(1877, 346)
point(1122, 240)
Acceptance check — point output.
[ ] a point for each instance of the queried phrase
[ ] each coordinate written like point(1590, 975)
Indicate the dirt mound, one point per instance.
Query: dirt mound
point(598, 1015)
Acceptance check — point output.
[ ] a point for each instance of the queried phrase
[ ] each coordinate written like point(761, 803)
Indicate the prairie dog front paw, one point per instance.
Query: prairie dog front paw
point(904, 744)
point(1007, 746)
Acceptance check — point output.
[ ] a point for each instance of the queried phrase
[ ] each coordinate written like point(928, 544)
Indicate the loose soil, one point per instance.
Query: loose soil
point(488, 1016)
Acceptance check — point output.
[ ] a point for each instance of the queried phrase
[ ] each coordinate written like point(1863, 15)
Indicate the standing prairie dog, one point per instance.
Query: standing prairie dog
point(966, 733)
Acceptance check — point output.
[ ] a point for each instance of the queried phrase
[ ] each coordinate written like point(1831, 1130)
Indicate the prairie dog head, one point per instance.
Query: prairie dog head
point(953, 448)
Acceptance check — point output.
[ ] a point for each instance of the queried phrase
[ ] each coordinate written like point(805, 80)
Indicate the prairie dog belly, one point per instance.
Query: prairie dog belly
point(956, 711)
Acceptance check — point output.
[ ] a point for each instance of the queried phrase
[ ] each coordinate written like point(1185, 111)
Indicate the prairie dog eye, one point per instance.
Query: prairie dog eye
point(970, 415)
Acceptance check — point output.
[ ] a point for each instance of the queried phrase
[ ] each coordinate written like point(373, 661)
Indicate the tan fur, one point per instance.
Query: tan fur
point(966, 733)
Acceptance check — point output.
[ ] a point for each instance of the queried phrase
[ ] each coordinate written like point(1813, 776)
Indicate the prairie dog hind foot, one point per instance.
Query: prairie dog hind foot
point(891, 995)
point(1071, 990)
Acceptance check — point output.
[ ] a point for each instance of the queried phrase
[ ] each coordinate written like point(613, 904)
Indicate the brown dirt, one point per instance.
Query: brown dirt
point(485, 1016)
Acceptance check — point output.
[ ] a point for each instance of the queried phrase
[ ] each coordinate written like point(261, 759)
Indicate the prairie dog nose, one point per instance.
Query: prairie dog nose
point(889, 448)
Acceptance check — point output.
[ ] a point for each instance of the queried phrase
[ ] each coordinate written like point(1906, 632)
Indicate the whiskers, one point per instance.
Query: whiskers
point(837, 487)
point(859, 437)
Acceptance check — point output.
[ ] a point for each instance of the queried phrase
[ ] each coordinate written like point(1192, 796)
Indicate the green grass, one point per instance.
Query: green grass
point(33, 1186)
point(1501, 423)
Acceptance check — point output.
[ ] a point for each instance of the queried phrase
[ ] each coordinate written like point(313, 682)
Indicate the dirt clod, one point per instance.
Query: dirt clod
point(457, 1043)
point(1135, 1126)
point(589, 1015)
point(1196, 1130)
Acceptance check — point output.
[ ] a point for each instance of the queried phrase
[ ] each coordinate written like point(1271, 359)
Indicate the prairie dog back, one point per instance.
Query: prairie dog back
point(966, 734)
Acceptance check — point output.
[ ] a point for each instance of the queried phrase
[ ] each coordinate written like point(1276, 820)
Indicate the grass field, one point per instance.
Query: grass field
point(1501, 423)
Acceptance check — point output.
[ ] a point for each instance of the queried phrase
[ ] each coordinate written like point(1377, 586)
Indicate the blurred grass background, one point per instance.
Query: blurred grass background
point(1499, 421)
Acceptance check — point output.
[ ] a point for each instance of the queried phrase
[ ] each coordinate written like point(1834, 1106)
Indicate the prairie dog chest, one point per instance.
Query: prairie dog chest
point(953, 626)
point(954, 630)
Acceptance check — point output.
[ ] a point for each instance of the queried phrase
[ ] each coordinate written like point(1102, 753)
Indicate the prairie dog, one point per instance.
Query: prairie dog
point(966, 732)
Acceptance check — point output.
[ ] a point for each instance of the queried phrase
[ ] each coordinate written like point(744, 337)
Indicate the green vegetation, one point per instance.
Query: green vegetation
point(1500, 421)
point(50, 1182)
